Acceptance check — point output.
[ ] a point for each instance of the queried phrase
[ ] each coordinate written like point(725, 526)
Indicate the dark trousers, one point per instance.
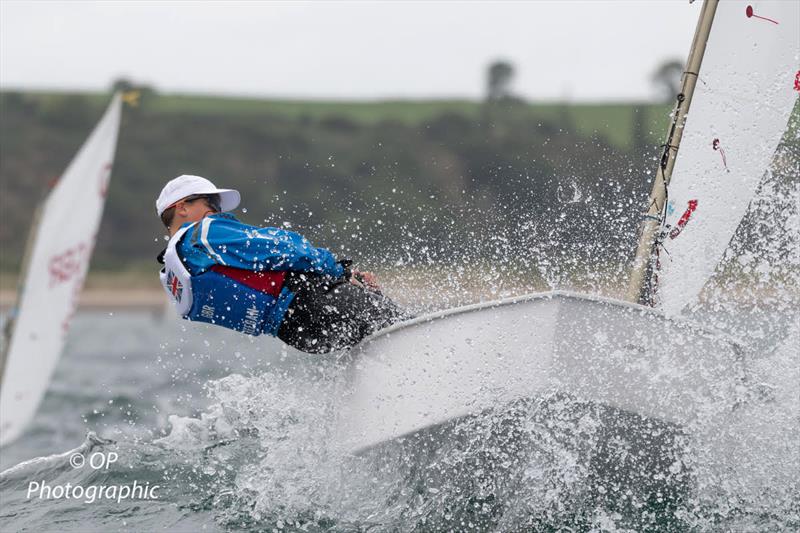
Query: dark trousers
point(327, 314)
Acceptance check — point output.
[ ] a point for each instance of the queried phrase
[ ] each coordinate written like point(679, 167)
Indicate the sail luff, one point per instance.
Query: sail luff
point(8, 327)
point(640, 286)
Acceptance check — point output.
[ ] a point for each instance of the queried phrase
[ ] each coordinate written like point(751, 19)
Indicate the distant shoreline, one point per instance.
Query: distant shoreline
point(102, 290)
point(137, 299)
point(137, 292)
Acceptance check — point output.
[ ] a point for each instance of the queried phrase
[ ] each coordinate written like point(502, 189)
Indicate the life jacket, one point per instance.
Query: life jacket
point(242, 300)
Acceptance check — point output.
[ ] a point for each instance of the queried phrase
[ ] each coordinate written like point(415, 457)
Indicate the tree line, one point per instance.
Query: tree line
point(501, 185)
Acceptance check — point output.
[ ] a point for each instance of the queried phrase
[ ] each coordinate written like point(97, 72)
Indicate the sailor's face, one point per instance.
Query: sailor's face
point(193, 210)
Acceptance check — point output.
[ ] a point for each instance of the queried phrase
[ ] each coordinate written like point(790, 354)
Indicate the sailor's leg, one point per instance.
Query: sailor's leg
point(328, 316)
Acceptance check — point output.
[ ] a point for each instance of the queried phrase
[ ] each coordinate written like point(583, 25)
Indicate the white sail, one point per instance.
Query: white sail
point(748, 84)
point(57, 266)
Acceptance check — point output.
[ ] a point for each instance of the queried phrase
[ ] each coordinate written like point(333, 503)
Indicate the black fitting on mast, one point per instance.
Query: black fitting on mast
point(680, 98)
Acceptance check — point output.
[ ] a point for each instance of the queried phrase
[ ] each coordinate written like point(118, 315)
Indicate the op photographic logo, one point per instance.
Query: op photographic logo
point(175, 286)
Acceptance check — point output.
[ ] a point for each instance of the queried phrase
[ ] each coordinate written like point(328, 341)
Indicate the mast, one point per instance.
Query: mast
point(641, 287)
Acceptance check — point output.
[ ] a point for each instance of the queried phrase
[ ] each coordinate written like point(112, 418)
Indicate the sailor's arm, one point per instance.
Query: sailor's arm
point(231, 243)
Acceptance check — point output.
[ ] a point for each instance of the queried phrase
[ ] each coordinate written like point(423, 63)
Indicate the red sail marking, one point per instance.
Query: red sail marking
point(70, 267)
point(65, 266)
point(717, 148)
point(684, 219)
point(749, 12)
point(797, 81)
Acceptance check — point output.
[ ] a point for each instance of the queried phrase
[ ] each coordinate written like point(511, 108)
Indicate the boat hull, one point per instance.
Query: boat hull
point(461, 362)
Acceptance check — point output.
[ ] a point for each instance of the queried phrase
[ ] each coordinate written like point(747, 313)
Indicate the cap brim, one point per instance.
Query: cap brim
point(229, 198)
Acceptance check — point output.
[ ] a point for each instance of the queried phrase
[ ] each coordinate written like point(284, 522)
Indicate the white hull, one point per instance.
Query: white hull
point(463, 361)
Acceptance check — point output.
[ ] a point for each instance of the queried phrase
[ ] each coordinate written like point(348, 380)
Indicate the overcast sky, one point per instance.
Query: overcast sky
point(577, 50)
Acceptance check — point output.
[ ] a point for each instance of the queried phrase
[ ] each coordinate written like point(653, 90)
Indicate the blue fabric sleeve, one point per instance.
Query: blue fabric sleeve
point(228, 242)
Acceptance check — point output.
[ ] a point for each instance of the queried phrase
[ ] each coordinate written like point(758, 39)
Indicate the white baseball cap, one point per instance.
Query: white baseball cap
point(187, 185)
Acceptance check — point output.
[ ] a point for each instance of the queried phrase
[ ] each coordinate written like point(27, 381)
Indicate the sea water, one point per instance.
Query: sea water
point(215, 431)
point(235, 434)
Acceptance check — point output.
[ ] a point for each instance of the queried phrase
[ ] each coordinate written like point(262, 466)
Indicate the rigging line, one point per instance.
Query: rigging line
point(665, 155)
point(680, 98)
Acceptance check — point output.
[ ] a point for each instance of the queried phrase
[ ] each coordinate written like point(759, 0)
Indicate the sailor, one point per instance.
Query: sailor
point(261, 280)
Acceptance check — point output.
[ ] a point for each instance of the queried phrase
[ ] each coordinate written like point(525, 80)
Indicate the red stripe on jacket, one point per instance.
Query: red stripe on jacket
point(269, 282)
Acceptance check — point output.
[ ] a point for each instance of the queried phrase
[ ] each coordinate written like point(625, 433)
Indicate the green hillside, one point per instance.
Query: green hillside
point(425, 181)
point(612, 121)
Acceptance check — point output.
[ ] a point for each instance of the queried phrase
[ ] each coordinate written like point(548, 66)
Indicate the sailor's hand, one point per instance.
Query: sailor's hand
point(367, 279)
